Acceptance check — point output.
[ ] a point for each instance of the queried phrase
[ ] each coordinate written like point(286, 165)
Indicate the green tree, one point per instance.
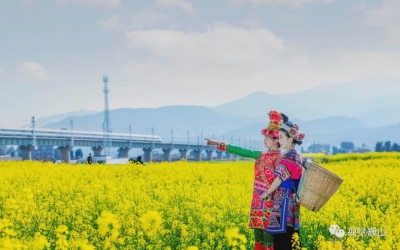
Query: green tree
point(387, 147)
point(395, 147)
point(334, 150)
point(10, 150)
point(78, 153)
point(346, 146)
point(378, 147)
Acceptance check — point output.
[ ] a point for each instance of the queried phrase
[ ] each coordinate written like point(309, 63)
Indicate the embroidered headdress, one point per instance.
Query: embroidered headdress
point(276, 120)
point(293, 131)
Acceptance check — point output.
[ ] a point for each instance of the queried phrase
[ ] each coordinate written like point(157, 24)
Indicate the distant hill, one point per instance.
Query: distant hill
point(325, 126)
point(382, 116)
point(204, 120)
point(356, 132)
point(364, 111)
point(56, 118)
point(353, 99)
point(368, 136)
point(326, 130)
point(195, 119)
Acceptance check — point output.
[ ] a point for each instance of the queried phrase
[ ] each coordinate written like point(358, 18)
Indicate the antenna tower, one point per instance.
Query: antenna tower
point(107, 122)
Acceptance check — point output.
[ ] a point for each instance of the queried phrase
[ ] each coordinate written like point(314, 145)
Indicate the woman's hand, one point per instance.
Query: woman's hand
point(211, 142)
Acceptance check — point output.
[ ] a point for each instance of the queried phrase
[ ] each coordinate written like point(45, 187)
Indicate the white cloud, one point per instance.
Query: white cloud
point(182, 4)
point(247, 42)
point(242, 61)
point(27, 1)
point(113, 23)
point(106, 4)
point(393, 34)
point(252, 22)
point(33, 71)
point(290, 3)
point(148, 17)
point(386, 15)
point(2, 71)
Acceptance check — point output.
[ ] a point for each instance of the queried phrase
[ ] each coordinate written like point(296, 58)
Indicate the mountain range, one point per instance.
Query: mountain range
point(375, 101)
point(41, 122)
point(327, 114)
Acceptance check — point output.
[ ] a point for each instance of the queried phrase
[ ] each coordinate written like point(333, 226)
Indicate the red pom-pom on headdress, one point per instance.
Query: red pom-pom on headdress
point(274, 124)
point(275, 116)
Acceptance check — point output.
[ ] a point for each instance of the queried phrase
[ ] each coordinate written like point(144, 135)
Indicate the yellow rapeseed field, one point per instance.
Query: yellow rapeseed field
point(184, 206)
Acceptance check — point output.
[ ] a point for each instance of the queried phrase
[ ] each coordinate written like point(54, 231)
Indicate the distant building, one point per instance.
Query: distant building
point(319, 148)
point(45, 153)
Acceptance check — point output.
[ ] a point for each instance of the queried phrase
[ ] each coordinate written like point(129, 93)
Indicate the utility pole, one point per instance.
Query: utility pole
point(130, 136)
point(152, 132)
point(33, 131)
point(72, 132)
point(188, 138)
point(172, 138)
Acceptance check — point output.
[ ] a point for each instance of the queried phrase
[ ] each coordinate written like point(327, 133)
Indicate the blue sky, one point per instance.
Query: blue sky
point(53, 53)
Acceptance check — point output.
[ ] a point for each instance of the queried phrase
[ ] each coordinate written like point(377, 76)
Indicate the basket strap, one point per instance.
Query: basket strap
point(295, 193)
point(304, 165)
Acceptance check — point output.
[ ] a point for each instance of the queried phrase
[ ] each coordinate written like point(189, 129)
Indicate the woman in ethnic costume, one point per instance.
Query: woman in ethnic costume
point(264, 168)
point(284, 219)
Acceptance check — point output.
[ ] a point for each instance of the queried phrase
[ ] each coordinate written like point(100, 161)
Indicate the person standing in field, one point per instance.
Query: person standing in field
point(284, 220)
point(264, 168)
point(89, 159)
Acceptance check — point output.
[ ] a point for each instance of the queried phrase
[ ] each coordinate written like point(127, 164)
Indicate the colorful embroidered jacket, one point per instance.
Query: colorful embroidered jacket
point(264, 168)
point(285, 211)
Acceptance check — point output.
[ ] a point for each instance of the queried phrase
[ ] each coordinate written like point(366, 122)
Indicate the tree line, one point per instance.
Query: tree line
point(387, 146)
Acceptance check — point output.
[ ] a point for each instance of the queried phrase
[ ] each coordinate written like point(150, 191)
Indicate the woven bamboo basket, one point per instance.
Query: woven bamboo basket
point(317, 185)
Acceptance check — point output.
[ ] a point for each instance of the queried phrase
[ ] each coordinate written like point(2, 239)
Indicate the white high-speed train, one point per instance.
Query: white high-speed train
point(77, 134)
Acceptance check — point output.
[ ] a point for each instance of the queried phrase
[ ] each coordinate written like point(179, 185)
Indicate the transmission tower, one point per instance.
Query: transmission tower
point(107, 122)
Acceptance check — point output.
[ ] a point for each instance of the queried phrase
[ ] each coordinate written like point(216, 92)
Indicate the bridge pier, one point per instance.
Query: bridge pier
point(148, 154)
point(124, 152)
point(183, 153)
point(65, 153)
point(227, 155)
point(167, 154)
point(97, 150)
point(219, 154)
point(209, 154)
point(26, 151)
point(197, 154)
